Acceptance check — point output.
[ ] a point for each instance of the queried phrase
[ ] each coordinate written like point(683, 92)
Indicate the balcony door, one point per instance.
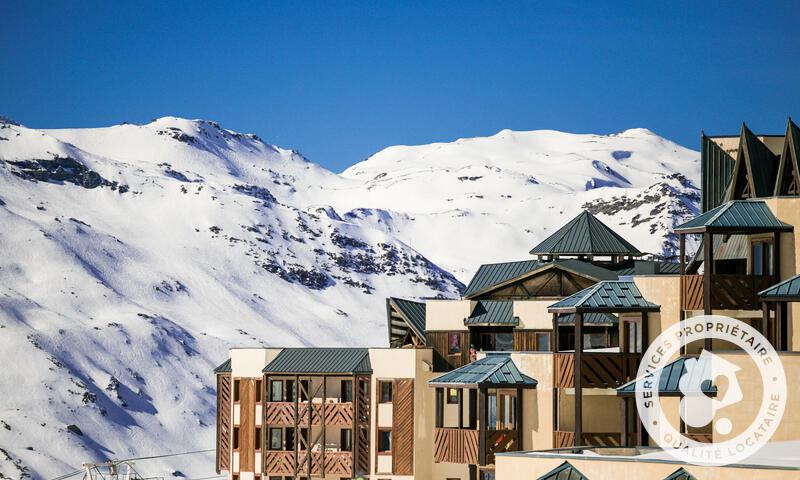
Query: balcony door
point(502, 409)
point(761, 261)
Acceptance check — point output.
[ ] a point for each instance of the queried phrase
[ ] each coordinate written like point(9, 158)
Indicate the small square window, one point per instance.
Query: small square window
point(346, 440)
point(384, 441)
point(275, 439)
point(542, 342)
point(385, 392)
point(276, 391)
point(452, 395)
point(258, 438)
point(236, 387)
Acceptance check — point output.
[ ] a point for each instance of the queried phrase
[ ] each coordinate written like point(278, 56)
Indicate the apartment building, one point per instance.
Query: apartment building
point(530, 374)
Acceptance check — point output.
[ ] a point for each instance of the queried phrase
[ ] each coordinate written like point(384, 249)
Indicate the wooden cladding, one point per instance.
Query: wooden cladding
point(283, 463)
point(336, 414)
point(455, 445)
point(728, 292)
point(247, 424)
point(499, 441)
point(563, 439)
point(224, 421)
point(598, 370)
point(566, 439)
point(361, 423)
point(443, 359)
point(403, 427)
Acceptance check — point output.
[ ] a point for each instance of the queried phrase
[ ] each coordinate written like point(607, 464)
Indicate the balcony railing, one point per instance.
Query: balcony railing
point(566, 439)
point(283, 463)
point(455, 445)
point(728, 292)
point(336, 414)
point(598, 369)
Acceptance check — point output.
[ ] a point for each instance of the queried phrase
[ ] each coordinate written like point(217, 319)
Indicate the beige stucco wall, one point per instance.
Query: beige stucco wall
point(533, 314)
point(788, 210)
point(248, 362)
point(527, 467)
point(447, 314)
point(664, 290)
point(537, 409)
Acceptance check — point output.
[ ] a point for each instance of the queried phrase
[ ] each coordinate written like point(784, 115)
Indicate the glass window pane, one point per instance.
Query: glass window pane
point(542, 342)
point(757, 258)
point(491, 401)
point(504, 342)
point(275, 442)
point(276, 390)
point(384, 441)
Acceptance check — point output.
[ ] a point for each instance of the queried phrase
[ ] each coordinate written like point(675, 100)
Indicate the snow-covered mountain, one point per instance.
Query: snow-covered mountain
point(132, 257)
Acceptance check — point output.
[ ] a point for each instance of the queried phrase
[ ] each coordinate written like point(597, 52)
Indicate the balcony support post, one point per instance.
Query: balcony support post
point(781, 319)
point(765, 320)
point(473, 409)
point(296, 423)
point(645, 337)
point(555, 341)
point(518, 407)
point(483, 425)
point(708, 270)
point(324, 428)
point(577, 382)
point(439, 407)
point(460, 408)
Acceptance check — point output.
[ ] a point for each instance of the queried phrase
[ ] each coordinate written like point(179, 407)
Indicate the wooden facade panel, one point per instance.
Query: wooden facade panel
point(728, 292)
point(443, 361)
point(403, 427)
point(361, 425)
point(524, 340)
point(455, 445)
point(224, 422)
point(247, 424)
point(598, 370)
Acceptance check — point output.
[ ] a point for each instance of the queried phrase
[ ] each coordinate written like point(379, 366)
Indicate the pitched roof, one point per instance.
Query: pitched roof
point(589, 319)
point(495, 369)
point(787, 290)
point(650, 267)
point(717, 171)
point(565, 471)
point(788, 163)
point(224, 367)
point(680, 474)
point(492, 312)
point(762, 164)
point(493, 274)
point(320, 360)
point(609, 296)
point(736, 216)
point(669, 381)
point(412, 313)
point(585, 234)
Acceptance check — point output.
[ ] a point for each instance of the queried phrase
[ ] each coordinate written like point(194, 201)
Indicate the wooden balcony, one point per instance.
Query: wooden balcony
point(499, 441)
point(700, 437)
point(283, 463)
point(336, 414)
point(728, 292)
point(566, 439)
point(455, 445)
point(598, 369)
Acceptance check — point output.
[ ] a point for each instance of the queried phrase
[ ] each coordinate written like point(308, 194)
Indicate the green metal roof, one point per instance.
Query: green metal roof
point(649, 267)
point(788, 163)
point(759, 161)
point(680, 474)
point(413, 313)
point(320, 360)
point(224, 367)
point(716, 170)
point(585, 235)
point(606, 296)
point(565, 471)
point(787, 290)
point(493, 274)
point(736, 216)
point(492, 312)
point(586, 268)
point(671, 374)
point(493, 370)
point(589, 319)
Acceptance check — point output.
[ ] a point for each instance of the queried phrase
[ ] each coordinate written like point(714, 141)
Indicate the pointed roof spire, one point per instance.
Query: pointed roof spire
point(756, 168)
point(585, 235)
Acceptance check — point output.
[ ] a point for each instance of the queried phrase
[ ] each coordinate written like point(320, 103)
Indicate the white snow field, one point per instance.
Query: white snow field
point(132, 257)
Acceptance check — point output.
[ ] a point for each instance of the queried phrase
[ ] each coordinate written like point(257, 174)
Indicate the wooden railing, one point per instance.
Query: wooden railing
point(499, 441)
point(336, 414)
point(282, 463)
point(566, 439)
point(598, 369)
point(455, 445)
point(700, 437)
point(728, 292)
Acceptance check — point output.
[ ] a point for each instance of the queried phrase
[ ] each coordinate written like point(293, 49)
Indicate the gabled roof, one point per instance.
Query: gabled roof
point(224, 367)
point(606, 296)
point(565, 471)
point(717, 171)
point(493, 274)
point(736, 216)
point(787, 290)
point(680, 474)
point(320, 360)
point(589, 319)
point(669, 381)
point(788, 167)
point(755, 170)
point(493, 370)
point(585, 235)
point(492, 312)
point(412, 313)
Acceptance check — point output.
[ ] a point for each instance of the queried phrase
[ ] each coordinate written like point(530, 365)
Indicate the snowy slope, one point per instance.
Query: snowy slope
point(133, 256)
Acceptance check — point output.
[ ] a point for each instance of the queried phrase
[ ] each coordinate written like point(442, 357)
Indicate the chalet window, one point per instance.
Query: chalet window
point(237, 384)
point(454, 344)
point(235, 438)
point(504, 342)
point(502, 409)
point(542, 341)
point(761, 253)
point(290, 439)
point(290, 393)
point(276, 391)
point(634, 330)
point(385, 391)
point(258, 390)
point(258, 438)
point(275, 439)
point(452, 395)
point(346, 440)
point(303, 390)
point(384, 441)
point(347, 391)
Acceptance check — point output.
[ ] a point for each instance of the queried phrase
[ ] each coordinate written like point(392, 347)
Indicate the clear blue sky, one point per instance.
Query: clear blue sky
point(341, 80)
